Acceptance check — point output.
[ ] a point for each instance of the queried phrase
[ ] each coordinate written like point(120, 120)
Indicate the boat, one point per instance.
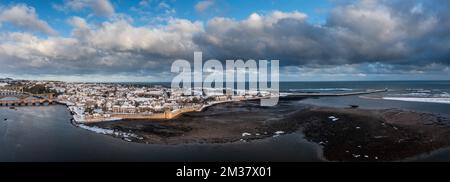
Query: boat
point(354, 106)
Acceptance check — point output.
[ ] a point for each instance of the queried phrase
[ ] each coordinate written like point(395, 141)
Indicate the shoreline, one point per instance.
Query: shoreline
point(344, 134)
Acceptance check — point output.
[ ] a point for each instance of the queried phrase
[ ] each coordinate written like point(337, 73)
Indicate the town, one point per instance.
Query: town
point(97, 102)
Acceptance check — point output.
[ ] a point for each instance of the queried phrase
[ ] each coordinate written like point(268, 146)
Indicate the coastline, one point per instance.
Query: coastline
point(345, 134)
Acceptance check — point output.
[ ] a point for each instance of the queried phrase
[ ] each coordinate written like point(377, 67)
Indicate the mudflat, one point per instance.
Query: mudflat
point(346, 134)
point(372, 135)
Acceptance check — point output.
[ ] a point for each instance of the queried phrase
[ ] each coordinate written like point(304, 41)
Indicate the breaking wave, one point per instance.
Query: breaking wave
point(420, 99)
point(123, 135)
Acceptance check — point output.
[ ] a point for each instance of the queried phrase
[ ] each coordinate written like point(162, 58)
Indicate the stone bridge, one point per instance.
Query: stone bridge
point(14, 96)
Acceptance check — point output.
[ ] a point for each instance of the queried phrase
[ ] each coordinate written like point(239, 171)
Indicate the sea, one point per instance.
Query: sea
point(46, 133)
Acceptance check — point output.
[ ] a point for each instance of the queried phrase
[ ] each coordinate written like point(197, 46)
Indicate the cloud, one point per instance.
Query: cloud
point(359, 39)
point(23, 16)
point(99, 7)
point(171, 40)
point(354, 33)
point(154, 11)
point(201, 6)
point(114, 47)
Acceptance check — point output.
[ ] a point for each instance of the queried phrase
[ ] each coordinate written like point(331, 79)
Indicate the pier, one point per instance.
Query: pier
point(334, 94)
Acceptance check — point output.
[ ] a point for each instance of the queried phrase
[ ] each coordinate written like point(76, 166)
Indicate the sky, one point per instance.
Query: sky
point(138, 40)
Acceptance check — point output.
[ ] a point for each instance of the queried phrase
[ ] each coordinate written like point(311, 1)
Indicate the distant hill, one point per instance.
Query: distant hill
point(6, 80)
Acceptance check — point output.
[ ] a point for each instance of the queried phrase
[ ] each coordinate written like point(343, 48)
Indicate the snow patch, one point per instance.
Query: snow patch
point(124, 135)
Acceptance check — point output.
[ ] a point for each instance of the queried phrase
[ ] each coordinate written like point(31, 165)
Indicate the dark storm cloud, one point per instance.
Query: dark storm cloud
point(391, 32)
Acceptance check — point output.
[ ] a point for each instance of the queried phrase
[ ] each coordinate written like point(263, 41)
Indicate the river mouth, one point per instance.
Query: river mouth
point(45, 134)
point(49, 136)
point(345, 134)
